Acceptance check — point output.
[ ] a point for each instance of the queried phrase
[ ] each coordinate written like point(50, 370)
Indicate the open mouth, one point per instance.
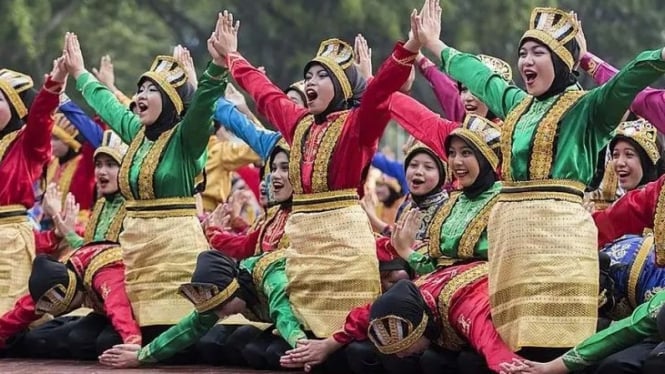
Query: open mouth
point(470, 108)
point(623, 174)
point(461, 173)
point(277, 186)
point(529, 76)
point(311, 94)
point(417, 182)
point(142, 107)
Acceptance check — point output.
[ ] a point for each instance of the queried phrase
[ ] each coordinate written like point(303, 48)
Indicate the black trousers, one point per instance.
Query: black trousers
point(264, 351)
point(363, 358)
point(223, 344)
point(655, 362)
point(628, 361)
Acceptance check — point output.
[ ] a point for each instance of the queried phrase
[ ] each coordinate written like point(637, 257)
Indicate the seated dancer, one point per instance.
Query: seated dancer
point(644, 322)
point(635, 161)
point(99, 275)
point(219, 288)
point(24, 151)
point(456, 231)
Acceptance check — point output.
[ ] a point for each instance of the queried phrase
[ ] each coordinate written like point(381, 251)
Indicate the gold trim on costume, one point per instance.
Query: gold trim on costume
point(168, 89)
point(258, 273)
point(440, 217)
point(507, 131)
point(391, 342)
point(338, 72)
point(57, 299)
point(125, 166)
point(544, 140)
point(636, 269)
point(8, 140)
point(263, 222)
point(102, 259)
point(91, 226)
point(548, 189)
point(643, 133)
point(473, 231)
point(555, 33)
point(295, 159)
point(324, 201)
point(452, 340)
point(14, 98)
point(63, 135)
point(67, 175)
point(150, 163)
point(113, 232)
point(166, 207)
point(13, 214)
point(192, 292)
point(659, 229)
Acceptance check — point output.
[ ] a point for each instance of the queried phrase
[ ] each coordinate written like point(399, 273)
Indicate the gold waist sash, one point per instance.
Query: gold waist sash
point(13, 214)
point(324, 201)
point(156, 208)
point(555, 189)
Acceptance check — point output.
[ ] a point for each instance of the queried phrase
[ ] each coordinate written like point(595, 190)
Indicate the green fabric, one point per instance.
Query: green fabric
point(180, 336)
point(186, 153)
point(421, 264)
point(274, 288)
point(464, 211)
point(111, 207)
point(620, 335)
point(583, 131)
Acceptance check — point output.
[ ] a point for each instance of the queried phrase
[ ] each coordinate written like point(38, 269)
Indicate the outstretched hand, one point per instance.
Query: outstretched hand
point(73, 56)
point(121, 356)
point(363, 57)
point(224, 39)
point(59, 71)
point(404, 236)
point(105, 74)
point(426, 25)
point(184, 58)
point(579, 37)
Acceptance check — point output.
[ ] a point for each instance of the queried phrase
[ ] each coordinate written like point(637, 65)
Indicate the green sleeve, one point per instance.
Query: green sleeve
point(609, 102)
point(421, 263)
point(620, 335)
point(180, 336)
point(499, 96)
point(106, 105)
point(74, 240)
point(281, 313)
point(196, 126)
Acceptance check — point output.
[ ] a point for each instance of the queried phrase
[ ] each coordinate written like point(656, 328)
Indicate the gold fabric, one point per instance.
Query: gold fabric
point(331, 265)
point(543, 273)
point(17, 250)
point(160, 255)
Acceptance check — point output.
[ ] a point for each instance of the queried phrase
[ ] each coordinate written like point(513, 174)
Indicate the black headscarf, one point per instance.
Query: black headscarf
point(339, 102)
point(168, 117)
point(15, 123)
point(404, 300)
point(660, 322)
point(47, 272)
point(486, 175)
point(563, 76)
point(280, 147)
point(649, 170)
point(440, 165)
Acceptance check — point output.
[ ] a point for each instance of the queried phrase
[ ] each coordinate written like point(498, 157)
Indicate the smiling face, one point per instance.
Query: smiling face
point(422, 174)
point(536, 67)
point(463, 162)
point(627, 165)
point(148, 102)
point(319, 89)
point(471, 104)
point(106, 174)
point(5, 111)
point(281, 186)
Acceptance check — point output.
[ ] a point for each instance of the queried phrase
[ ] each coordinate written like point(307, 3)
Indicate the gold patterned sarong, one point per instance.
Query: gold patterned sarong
point(17, 250)
point(331, 265)
point(543, 274)
point(160, 254)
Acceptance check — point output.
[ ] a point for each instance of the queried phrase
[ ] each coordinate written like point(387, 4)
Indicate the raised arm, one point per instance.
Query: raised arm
point(37, 133)
point(425, 125)
point(445, 89)
point(260, 140)
point(90, 130)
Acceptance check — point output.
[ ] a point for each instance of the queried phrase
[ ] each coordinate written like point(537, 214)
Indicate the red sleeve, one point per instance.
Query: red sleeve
point(270, 100)
point(17, 319)
point(234, 245)
point(425, 125)
point(109, 283)
point(631, 214)
point(46, 242)
point(373, 114)
point(470, 316)
point(40, 122)
point(355, 326)
point(83, 181)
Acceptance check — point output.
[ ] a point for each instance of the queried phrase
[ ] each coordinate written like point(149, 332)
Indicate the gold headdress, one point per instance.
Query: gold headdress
point(169, 75)
point(392, 334)
point(553, 27)
point(207, 296)
point(298, 86)
point(643, 133)
point(12, 84)
point(58, 299)
point(65, 131)
point(498, 66)
point(112, 146)
point(483, 134)
point(337, 55)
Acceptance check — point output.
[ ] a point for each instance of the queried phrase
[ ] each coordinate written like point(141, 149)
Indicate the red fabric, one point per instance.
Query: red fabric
point(17, 319)
point(46, 242)
point(384, 249)
point(250, 175)
point(82, 185)
point(24, 161)
point(631, 214)
point(362, 128)
point(355, 326)
point(240, 246)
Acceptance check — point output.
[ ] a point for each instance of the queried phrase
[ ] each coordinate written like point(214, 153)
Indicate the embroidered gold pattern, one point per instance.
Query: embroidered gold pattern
point(542, 153)
point(636, 269)
point(6, 141)
point(113, 232)
point(147, 173)
point(13, 214)
point(435, 227)
point(57, 299)
point(65, 180)
point(474, 230)
point(324, 153)
point(507, 131)
point(659, 229)
point(295, 159)
point(258, 273)
point(125, 167)
point(94, 220)
point(100, 260)
point(390, 342)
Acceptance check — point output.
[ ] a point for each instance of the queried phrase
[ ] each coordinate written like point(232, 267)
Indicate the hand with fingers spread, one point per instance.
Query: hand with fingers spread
point(52, 202)
point(404, 236)
point(579, 37)
point(65, 221)
point(363, 57)
point(309, 353)
point(182, 55)
point(225, 38)
point(105, 74)
point(121, 356)
point(220, 217)
point(73, 56)
point(426, 26)
point(59, 71)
